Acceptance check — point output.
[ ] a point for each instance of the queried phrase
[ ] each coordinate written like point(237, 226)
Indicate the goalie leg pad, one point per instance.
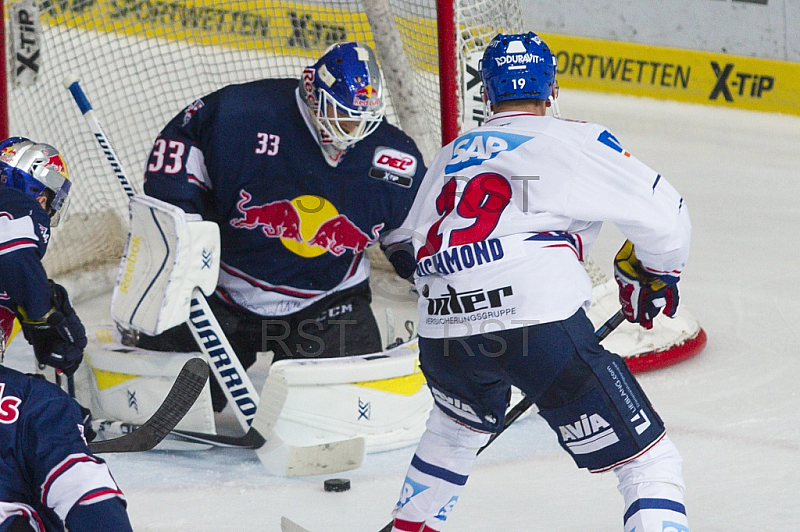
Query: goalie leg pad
point(596, 407)
point(129, 384)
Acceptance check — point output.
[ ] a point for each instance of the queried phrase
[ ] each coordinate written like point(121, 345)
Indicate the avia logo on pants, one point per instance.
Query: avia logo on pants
point(588, 434)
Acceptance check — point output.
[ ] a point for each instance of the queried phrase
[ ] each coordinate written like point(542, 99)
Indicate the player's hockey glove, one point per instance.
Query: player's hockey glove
point(86, 420)
point(58, 340)
point(401, 256)
point(642, 294)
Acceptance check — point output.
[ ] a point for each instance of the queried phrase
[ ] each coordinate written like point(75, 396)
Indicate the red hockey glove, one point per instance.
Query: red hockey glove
point(642, 294)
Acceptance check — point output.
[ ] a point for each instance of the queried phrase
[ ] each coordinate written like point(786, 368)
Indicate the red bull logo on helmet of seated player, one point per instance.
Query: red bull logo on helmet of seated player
point(477, 147)
point(308, 226)
point(56, 162)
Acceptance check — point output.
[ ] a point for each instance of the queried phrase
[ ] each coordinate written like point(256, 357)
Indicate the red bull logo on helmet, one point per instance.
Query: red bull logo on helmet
point(307, 225)
point(366, 97)
point(56, 162)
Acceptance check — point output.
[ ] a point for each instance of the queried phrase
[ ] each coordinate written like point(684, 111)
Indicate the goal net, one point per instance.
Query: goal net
point(141, 61)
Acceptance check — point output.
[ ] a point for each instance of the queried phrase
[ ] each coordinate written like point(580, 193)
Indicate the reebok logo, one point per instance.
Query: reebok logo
point(588, 434)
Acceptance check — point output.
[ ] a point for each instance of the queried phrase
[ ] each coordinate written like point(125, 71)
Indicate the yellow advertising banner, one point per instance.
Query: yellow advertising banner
point(671, 73)
point(279, 27)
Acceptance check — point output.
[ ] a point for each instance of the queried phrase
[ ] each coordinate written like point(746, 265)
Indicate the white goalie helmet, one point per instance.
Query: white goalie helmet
point(36, 169)
point(344, 93)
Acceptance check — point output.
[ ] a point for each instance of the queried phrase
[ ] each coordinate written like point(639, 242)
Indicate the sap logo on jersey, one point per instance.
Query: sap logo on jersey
point(474, 148)
point(588, 434)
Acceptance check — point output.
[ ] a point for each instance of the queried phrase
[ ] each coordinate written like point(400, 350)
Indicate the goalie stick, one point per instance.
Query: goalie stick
point(251, 440)
point(287, 525)
point(278, 457)
point(204, 327)
point(187, 387)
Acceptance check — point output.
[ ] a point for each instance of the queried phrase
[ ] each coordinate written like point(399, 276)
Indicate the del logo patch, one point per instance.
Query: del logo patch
point(394, 166)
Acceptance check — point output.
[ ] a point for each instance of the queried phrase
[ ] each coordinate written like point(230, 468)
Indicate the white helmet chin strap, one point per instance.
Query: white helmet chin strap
point(554, 107)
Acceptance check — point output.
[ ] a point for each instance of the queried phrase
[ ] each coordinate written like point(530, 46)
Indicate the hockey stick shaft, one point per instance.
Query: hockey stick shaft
point(184, 392)
point(74, 87)
point(230, 374)
point(523, 406)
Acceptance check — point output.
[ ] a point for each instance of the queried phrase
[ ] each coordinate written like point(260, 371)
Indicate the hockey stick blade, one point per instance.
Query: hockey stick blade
point(184, 392)
point(251, 440)
point(282, 459)
point(287, 525)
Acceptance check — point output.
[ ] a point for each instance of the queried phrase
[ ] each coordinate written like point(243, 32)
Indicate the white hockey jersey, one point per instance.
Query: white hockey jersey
point(507, 212)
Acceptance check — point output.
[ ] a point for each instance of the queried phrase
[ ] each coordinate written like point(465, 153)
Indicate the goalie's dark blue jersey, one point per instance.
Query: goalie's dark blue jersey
point(293, 227)
point(24, 233)
point(47, 473)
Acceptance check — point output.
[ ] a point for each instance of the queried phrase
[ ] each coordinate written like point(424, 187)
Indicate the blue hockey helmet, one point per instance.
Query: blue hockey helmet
point(344, 92)
point(36, 170)
point(518, 67)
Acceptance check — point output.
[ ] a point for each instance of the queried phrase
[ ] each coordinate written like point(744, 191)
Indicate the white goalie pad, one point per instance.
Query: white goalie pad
point(127, 384)
point(166, 258)
point(381, 397)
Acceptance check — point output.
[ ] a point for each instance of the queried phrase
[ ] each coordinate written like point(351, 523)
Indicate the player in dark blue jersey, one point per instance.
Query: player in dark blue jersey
point(301, 176)
point(34, 192)
point(48, 476)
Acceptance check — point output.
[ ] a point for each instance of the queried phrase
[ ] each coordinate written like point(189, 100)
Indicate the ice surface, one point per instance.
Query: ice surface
point(733, 411)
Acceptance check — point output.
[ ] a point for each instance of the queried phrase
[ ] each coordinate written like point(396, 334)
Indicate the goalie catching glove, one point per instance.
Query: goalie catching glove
point(642, 294)
point(58, 338)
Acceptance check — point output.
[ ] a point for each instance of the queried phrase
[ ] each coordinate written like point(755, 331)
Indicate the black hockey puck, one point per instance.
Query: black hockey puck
point(337, 484)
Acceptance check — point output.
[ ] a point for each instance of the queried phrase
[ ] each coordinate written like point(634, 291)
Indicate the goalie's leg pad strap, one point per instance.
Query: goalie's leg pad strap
point(595, 405)
point(438, 471)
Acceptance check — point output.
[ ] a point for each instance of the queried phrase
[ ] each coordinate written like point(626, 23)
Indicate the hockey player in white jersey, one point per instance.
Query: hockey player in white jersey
point(501, 225)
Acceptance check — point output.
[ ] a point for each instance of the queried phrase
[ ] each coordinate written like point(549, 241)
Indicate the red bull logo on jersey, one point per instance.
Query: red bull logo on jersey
point(278, 219)
point(307, 225)
point(339, 234)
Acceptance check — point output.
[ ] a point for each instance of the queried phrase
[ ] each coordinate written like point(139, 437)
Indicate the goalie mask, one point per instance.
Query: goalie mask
point(518, 67)
point(36, 170)
point(344, 93)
